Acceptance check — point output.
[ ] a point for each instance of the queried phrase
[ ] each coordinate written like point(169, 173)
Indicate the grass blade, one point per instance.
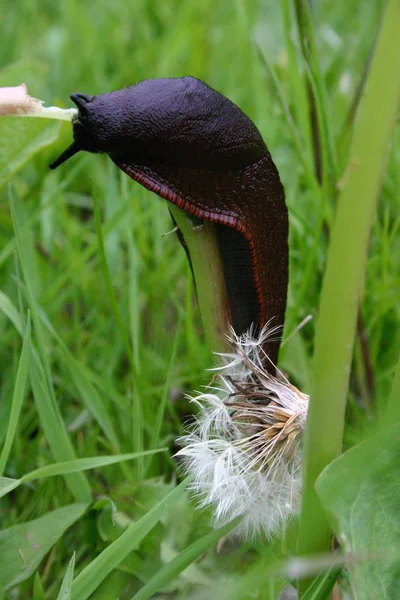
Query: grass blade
point(322, 586)
point(83, 464)
point(87, 392)
point(171, 570)
point(73, 466)
point(8, 308)
point(92, 576)
point(41, 378)
point(7, 485)
point(18, 396)
point(164, 398)
point(55, 430)
point(109, 286)
point(66, 586)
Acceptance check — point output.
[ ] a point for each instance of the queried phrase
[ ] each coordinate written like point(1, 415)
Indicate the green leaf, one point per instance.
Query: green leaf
point(93, 575)
point(23, 546)
point(361, 489)
point(66, 586)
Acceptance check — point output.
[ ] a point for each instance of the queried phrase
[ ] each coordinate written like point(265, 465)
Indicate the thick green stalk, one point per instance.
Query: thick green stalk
point(344, 272)
point(208, 274)
point(392, 414)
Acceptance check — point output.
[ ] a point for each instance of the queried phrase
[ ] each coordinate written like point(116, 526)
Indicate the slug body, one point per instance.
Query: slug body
point(192, 146)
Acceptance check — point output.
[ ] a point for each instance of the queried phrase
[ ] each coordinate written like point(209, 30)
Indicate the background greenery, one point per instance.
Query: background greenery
point(116, 338)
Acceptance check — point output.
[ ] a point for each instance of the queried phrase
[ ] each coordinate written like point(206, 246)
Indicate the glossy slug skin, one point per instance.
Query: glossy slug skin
point(191, 145)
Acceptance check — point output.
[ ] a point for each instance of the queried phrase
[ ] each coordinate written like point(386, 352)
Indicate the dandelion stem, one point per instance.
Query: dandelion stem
point(343, 277)
point(52, 112)
point(208, 272)
point(15, 102)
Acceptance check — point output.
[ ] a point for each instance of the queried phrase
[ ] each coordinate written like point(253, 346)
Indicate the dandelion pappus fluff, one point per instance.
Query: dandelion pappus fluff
point(243, 453)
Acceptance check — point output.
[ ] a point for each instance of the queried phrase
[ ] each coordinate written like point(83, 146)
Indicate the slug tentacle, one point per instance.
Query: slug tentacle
point(73, 149)
point(81, 100)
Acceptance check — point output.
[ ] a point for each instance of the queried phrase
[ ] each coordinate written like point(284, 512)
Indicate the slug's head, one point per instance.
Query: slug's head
point(85, 129)
point(178, 122)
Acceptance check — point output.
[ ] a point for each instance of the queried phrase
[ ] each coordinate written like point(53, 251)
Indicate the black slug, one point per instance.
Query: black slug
point(191, 145)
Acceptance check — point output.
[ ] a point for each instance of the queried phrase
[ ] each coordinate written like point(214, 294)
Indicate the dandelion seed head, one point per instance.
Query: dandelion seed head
point(243, 452)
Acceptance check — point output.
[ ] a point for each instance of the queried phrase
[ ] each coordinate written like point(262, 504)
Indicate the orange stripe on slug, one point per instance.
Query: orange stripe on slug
point(228, 220)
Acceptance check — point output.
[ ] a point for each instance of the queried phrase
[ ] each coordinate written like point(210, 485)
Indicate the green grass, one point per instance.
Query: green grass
point(100, 333)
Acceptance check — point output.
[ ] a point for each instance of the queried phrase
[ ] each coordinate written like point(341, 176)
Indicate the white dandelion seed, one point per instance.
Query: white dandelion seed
point(243, 453)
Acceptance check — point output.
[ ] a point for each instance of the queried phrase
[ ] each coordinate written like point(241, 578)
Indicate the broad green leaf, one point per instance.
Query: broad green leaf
point(171, 570)
point(23, 546)
point(18, 396)
point(361, 489)
point(66, 586)
point(93, 575)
